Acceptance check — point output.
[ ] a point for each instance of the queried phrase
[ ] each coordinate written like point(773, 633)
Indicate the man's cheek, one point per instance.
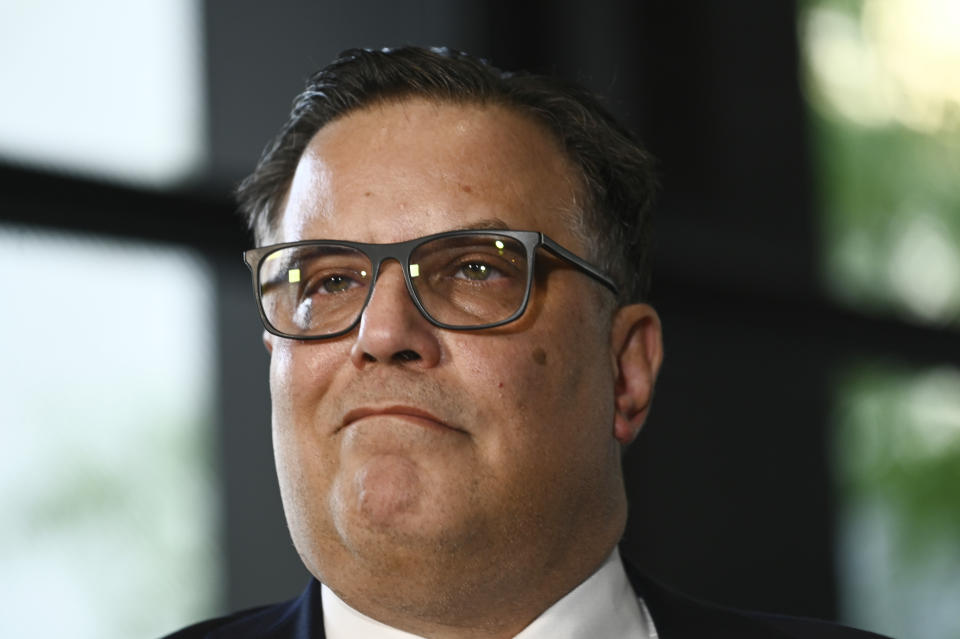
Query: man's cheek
point(280, 367)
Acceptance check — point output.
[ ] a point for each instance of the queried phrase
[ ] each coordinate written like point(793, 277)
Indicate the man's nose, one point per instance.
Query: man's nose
point(392, 329)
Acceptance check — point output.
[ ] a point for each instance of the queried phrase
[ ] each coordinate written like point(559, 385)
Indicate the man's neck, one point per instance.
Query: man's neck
point(603, 605)
point(508, 601)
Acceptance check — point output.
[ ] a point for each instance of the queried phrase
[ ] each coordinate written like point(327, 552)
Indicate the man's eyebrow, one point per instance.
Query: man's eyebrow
point(490, 223)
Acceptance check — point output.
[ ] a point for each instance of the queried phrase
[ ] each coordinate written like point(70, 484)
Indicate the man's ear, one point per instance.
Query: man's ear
point(637, 350)
point(268, 341)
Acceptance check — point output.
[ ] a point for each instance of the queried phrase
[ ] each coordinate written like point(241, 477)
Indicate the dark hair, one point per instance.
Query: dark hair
point(617, 173)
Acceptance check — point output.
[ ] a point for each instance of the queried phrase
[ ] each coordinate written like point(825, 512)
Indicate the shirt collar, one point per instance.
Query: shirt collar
point(603, 606)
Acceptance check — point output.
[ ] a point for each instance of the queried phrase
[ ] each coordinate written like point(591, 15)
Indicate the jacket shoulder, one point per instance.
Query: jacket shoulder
point(261, 622)
point(802, 628)
point(678, 616)
point(294, 619)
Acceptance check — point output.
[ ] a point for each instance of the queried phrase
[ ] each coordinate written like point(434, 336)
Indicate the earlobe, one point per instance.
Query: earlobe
point(637, 349)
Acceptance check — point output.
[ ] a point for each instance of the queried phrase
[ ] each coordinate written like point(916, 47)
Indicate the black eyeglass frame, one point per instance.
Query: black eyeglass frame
point(401, 252)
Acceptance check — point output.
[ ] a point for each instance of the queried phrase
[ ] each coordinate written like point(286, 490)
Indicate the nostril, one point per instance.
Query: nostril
point(406, 356)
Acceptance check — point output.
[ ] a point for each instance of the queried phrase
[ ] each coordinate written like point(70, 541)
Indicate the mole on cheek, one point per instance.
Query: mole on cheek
point(465, 188)
point(539, 356)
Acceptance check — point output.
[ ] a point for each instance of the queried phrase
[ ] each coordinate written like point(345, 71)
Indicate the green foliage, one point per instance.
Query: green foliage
point(898, 442)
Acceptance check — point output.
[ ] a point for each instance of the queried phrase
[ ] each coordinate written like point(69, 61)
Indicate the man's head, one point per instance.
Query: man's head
point(431, 476)
point(615, 174)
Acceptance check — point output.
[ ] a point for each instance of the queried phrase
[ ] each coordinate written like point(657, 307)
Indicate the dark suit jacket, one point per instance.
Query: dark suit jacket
point(674, 615)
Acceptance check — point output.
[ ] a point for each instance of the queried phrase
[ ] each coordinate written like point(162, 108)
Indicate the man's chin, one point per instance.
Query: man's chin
point(385, 490)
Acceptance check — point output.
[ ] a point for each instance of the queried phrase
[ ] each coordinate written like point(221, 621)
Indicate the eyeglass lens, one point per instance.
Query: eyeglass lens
point(463, 281)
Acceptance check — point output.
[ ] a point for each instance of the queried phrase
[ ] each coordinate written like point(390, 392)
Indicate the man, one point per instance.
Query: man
point(451, 273)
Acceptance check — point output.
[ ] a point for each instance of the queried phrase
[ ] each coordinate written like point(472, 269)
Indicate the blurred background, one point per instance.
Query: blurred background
point(803, 456)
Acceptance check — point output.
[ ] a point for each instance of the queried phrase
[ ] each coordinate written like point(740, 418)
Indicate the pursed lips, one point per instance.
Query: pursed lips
point(409, 413)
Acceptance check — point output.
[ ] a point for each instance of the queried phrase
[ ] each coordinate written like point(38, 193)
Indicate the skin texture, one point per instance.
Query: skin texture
point(454, 484)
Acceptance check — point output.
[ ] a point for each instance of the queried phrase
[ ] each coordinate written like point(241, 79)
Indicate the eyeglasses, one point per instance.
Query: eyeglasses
point(459, 280)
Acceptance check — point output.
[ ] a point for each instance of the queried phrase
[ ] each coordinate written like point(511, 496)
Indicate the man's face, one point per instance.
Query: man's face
point(402, 447)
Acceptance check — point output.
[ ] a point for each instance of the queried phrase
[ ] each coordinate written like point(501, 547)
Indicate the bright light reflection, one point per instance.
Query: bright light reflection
point(885, 74)
point(898, 61)
point(933, 412)
point(924, 269)
point(111, 87)
point(106, 485)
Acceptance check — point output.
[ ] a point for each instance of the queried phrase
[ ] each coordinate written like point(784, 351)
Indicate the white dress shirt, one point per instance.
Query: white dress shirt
point(602, 607)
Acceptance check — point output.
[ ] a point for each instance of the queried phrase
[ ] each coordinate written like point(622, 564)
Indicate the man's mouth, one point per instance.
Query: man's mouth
point(408, 413)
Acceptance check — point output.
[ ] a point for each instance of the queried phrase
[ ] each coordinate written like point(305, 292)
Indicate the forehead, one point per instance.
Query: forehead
point(398, 170)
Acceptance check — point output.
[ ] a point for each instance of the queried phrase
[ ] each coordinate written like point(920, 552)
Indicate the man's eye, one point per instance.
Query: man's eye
point(476, 271)
point(337, 284)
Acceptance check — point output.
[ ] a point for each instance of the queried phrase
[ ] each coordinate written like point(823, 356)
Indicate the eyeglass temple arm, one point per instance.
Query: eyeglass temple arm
point(580, 263)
